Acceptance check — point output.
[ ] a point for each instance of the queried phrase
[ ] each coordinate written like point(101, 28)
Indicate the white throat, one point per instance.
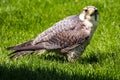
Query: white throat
point(90, 26)
point(87, 22)
point(82, 17)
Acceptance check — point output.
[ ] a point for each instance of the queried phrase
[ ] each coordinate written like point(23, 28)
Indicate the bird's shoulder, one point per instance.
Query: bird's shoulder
point(66, 23)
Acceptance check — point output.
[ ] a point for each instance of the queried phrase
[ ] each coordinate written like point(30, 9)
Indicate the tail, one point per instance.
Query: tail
point(27, 47)
point(19, 53)
point(28, 43)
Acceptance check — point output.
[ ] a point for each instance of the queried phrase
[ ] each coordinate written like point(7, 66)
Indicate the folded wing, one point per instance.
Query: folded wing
point(63, 25)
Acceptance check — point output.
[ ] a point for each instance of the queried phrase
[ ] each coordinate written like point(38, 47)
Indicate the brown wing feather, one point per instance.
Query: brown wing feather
point(69, 39)
point(28, 43)
point(61, 40)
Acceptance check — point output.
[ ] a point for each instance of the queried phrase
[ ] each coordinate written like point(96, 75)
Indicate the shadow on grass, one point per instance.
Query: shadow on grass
point(26, 73)
point(93, 58)
point(54, 56)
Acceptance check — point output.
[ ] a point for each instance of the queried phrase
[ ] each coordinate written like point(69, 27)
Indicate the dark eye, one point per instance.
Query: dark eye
point(96, 11)
point(86, 10)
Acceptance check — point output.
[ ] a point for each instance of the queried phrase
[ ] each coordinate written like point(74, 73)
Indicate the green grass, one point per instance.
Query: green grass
point(22, 20)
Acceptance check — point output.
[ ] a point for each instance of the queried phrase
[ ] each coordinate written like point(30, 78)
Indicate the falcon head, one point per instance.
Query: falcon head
point(89, 13)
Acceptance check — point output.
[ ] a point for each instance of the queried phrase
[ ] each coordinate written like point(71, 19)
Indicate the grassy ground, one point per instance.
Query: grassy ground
point(22, 20)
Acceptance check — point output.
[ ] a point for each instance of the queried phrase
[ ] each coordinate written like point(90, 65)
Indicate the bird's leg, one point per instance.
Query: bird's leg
point(76, 53)
point(72, 56)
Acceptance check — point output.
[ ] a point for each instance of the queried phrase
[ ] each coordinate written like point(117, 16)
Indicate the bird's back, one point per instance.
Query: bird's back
point(63, 25)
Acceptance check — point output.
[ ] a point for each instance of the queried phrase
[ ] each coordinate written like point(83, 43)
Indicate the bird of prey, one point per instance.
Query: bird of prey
point(70, 36)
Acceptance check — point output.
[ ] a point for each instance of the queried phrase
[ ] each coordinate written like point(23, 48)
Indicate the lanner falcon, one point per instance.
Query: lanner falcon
point(70, 36)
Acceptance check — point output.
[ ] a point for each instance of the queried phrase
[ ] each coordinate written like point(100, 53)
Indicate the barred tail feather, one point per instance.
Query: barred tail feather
point(17, 54)
point(28, 43)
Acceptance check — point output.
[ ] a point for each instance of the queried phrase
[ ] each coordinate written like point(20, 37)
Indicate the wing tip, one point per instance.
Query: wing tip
point(9, 48)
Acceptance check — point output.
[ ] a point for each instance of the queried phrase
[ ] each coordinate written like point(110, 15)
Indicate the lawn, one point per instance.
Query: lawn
point(22, 20)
